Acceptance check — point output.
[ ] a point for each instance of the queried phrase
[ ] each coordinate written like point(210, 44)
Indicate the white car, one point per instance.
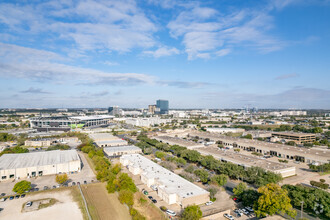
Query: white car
point(28, 204)
point(209, 203)
point(228, 217)
point(170, 212)
point(245, 212)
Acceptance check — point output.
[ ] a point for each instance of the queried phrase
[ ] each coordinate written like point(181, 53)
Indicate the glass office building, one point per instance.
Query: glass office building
point(163, 106)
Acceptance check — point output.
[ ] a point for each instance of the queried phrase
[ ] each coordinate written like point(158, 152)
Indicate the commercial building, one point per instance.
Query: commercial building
point(122, 150)
point(114, 110)
point(42, 142)
point(248, 161)
point(171, 188)
point(152, 109)
point(107, 140)
point(178, 141)
point(66, 123)
point(306, 155)
point(299, 138)
point(26, 165)
point(163, 106)
point(225, 130)
point(146, 122)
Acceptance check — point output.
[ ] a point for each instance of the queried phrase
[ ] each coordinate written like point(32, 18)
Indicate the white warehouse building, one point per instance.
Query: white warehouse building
point(25, 165)
point(171, 188)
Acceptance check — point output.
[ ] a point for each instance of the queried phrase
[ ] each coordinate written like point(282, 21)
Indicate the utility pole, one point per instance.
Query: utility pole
point(301, 211)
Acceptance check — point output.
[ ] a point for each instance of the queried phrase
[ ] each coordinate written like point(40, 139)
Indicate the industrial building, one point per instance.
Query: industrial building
point(178, 141)
point(107, 140)
point(298, 138)
point(306, 155)
point(26, 165)
point(122, 150)
point(66, 123)
point(248, 161)
point(225, 130)
point(171, 188)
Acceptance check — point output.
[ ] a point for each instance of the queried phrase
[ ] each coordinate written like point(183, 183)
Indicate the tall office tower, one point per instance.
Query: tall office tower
point(114, 110)
point(163, 106)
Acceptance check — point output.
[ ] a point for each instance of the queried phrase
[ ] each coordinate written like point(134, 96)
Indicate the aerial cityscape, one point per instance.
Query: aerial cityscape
point(165, 109)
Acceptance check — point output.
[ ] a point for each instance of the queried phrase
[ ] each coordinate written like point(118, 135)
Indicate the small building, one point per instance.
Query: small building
point(26, 165)
point(170, 187)
point(179, 141)
point(122, 150)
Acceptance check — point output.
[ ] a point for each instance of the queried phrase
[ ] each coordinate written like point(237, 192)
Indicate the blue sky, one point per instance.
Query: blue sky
point(196, 54)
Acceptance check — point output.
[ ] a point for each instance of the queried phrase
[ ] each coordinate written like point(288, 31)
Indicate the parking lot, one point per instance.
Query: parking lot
point(65, 208)
point(86, 174)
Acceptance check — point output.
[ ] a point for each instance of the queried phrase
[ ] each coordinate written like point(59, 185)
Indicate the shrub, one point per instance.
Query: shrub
point(127, 197)
point(61, 178)
point(163, 208)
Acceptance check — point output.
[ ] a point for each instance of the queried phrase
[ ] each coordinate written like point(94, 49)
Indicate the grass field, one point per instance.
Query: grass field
point(147, 209)
point(103, 205)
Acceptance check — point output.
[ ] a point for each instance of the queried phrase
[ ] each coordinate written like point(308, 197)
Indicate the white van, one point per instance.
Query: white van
point(170, 212)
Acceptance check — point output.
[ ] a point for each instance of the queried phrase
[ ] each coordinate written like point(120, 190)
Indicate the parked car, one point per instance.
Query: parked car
point(73, 183)
point(45, 187)
point(1, 209)
point(3, 199)
point(17, 197)
point(36, 189)
point(154, 201)
point(238, 213)
point(245, 212)
point(85, 182)
point(170, 212)
point(228, 216)
point(23, 195)
point(236, 199)
point(28, 204)
point(145, 192)
point(209, 203)
point(150, 197)
point(78, 183)
point(54, 187)
point(11, 198)
point(3, 194)
point(249, 209)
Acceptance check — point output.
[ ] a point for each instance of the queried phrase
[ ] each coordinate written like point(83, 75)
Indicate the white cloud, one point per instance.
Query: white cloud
point(205, 30)
point(223, 52)
point(162, 51)
point(40, 65)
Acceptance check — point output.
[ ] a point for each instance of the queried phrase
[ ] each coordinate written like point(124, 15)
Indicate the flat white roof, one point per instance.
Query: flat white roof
point(92, 117)
point(13, 161)
point(171, 182)
point(120, 149)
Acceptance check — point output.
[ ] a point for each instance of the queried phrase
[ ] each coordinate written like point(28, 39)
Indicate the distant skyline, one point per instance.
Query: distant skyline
point(196, 54)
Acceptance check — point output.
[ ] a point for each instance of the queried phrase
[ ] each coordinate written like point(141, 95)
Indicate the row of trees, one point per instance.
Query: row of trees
point(252, 175)
point(14, 150)
point(116, 181)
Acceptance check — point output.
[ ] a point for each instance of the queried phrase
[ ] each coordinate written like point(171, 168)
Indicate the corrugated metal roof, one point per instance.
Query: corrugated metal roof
point(12, 161)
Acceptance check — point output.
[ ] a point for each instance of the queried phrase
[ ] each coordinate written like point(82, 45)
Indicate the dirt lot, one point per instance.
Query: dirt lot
point(66, 208)
point(103, 205)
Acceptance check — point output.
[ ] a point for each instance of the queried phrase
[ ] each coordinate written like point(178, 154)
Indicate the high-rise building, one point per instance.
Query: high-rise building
point(163, 106)
point(114, 110)
point(152, 109)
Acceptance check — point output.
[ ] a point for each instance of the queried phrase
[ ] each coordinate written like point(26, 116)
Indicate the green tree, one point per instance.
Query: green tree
point(219, 179)
point(192, 212)
point(61, 178)
point(239, 189)
point(202, 174)
point(213, 191)
point(126, 182)
point(273, 200)
point(127, 197)
point(22, 186)
point(160, 154)
point(249, 197)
